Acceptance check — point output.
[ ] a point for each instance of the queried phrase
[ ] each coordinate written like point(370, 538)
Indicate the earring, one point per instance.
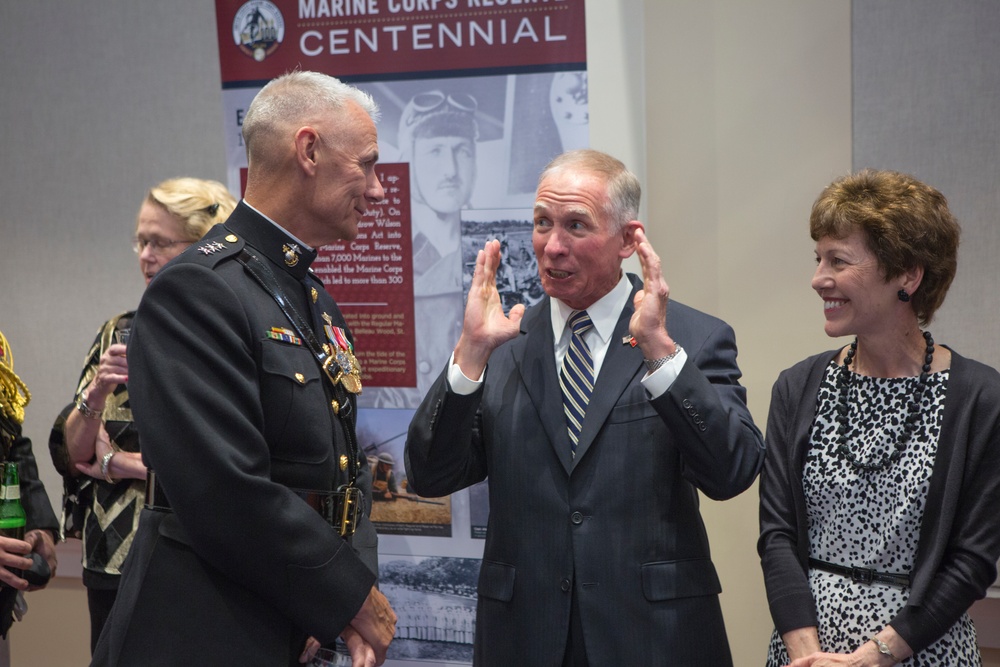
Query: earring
point(903, 295)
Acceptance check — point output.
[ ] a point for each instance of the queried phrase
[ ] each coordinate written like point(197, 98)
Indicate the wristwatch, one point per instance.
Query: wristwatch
point(883, 648)
point(86, 410)
point(654, 364)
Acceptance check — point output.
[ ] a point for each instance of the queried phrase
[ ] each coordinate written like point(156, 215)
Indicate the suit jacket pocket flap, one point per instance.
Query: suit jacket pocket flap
point(496, 580)
point(679, 579)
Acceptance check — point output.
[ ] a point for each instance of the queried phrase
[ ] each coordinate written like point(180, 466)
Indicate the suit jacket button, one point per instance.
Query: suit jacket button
point(565, 585)
point(576, 518)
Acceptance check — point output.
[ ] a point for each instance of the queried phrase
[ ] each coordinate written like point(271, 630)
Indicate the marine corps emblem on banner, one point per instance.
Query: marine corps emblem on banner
point(258, 29)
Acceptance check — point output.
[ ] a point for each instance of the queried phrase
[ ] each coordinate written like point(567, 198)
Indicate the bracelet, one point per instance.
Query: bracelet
point(86, 410)
point(654, 364)
point(883, 648)
point(106, 463)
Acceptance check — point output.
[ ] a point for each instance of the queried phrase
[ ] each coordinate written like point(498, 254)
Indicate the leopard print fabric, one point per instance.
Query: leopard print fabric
point(872, 519)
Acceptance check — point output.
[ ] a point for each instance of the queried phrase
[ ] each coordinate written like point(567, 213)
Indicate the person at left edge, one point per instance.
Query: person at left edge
point(41, 525)
point(244, 432)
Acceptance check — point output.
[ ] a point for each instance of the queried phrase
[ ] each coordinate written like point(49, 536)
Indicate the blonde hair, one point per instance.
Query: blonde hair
point(14, 395)
point(197, 203)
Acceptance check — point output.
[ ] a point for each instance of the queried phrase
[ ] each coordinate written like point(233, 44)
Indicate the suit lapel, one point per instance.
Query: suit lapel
point(621, 363)
point(534, 356)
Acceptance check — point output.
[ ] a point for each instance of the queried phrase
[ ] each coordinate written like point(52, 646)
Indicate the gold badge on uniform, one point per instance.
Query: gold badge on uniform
point(291, 251)
point(342, 366)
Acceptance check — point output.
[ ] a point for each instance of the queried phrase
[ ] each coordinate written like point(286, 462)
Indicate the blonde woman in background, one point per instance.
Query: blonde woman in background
point(95, 445)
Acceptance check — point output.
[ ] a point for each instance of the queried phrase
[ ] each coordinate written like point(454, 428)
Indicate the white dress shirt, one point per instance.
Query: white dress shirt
point(604, 313)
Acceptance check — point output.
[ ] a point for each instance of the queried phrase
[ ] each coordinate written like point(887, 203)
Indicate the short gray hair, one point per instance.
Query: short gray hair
point(624, 191)
point(297, 98)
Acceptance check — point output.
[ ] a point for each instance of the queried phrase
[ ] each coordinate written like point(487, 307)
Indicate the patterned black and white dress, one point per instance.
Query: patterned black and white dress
point(871, 519)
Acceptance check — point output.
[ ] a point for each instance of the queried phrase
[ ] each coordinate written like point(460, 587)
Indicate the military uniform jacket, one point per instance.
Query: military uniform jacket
point(37, 508)
point(617, 526)
point(233, 422)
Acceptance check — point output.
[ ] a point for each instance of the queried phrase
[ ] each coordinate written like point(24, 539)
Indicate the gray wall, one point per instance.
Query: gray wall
point(100, 100)
point(926, 101)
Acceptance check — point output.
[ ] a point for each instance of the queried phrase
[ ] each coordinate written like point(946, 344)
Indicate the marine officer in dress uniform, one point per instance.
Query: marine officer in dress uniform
point(255, 546)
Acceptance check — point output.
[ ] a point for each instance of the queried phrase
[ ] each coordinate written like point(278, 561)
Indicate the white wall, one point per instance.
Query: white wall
point(748, 109)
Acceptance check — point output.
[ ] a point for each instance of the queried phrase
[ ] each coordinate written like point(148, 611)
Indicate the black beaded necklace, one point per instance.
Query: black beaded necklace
point(913, 412)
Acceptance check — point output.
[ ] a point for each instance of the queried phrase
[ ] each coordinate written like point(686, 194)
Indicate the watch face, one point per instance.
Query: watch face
point(883, 648)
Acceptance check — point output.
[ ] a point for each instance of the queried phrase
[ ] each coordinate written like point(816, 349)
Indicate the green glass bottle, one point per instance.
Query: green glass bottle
point(11, 512)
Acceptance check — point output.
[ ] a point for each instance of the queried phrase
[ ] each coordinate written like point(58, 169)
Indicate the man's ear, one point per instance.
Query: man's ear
point(306, 144)
point(629, 242)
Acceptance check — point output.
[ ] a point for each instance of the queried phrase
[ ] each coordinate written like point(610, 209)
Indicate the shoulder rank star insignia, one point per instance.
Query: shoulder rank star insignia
point(291, 251)
point(211, 247)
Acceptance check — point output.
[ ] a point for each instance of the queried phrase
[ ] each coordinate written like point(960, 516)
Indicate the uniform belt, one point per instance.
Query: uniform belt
point(861, 575)
point(155, 498)
point(341, 509)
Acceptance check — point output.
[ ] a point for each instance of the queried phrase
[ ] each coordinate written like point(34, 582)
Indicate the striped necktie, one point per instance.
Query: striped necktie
point(577, 377)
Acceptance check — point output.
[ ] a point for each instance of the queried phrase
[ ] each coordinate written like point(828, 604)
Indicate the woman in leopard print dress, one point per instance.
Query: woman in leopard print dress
point(881, 487)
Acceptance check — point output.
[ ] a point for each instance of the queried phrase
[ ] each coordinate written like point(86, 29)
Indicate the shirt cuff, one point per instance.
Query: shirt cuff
point(460, 384)
point(659, 381)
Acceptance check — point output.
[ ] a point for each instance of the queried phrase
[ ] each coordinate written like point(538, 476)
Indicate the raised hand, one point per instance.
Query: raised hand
point(648, 322)
point(485, 326)
point(112, 370)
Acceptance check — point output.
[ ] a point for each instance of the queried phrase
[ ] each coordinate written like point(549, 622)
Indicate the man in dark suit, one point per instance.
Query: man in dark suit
point(595, 553)
point(240, 557)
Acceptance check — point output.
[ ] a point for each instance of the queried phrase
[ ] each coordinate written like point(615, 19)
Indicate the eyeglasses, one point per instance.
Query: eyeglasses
point(426, 102)
point(159, 245)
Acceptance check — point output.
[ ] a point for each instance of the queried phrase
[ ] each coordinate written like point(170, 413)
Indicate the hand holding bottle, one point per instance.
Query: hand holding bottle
point(14, 551)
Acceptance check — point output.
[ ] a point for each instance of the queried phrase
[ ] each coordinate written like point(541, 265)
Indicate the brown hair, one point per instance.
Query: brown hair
point(906, 224)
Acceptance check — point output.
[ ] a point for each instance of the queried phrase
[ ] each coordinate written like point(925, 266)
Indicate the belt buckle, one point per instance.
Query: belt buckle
point(346, 503)
point(862, 575)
